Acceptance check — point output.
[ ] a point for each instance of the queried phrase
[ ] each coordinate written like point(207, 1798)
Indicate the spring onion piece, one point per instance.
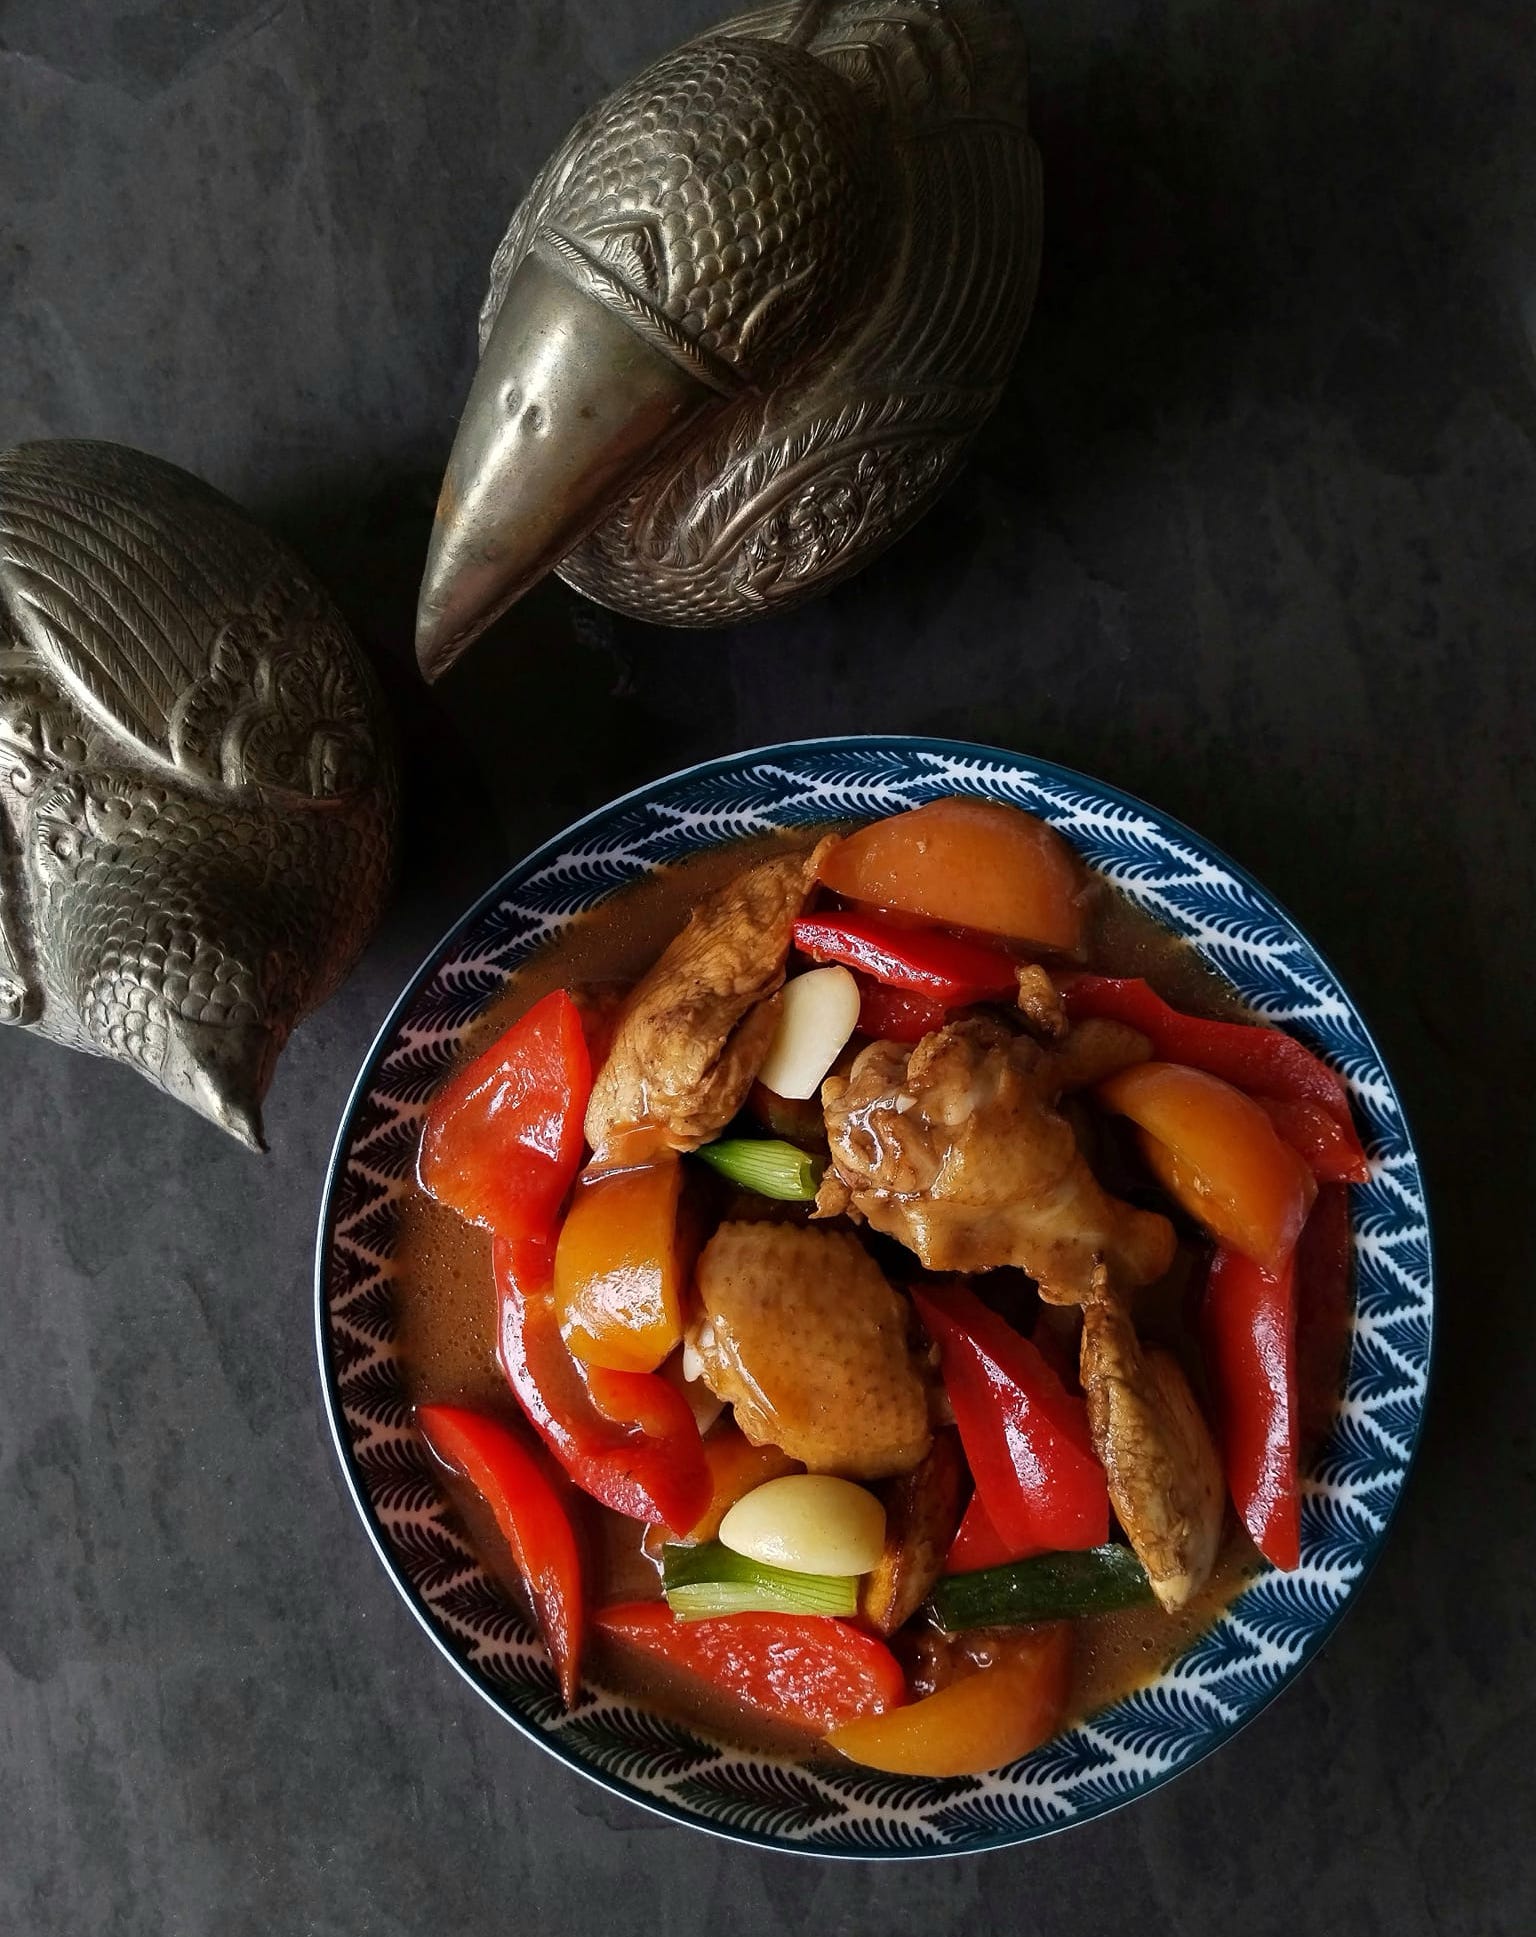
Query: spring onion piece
point(708, 1580)
point(765, 1164)
point(1047, 1587)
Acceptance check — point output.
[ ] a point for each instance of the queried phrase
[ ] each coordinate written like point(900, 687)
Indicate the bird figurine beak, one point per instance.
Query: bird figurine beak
point(571, 402)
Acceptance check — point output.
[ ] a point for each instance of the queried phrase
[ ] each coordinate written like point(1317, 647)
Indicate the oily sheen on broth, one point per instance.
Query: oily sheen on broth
point(446, 1304)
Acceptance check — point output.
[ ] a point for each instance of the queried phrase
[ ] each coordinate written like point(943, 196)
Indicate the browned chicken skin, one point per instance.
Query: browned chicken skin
point(954, 1147)
point(800, 1332)
point(697, 1026)
point(1165, 1478)
point(1040, 1003)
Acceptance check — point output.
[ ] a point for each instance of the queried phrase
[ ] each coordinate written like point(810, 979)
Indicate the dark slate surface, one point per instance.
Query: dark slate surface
point(1255, 536)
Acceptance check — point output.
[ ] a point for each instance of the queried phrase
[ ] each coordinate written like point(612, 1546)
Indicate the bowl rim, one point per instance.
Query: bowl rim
point(666, 1809)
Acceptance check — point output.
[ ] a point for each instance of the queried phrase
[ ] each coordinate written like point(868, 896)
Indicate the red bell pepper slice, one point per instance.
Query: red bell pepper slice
point(805, 1669)
point(531, 1513)
point(1323, 1313)
point(1308, 1104)
point(977, 1543)
point(626, 1438)
point(896, 1015)
point(642, 1402)
point(1248, 1330)
point(1330, 1148)
point(924, 961)
point(1025, 1436)
point(503, 1137)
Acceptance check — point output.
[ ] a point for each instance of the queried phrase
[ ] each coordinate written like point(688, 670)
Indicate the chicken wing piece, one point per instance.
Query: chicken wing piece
point(955, 1148)
point(697, 1026)
point(1165, 1478)
point(800, 1332)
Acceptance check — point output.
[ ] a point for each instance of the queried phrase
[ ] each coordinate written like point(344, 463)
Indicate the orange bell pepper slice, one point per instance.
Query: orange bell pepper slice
point(620, 1274)
point(626, 1438)
point(981, 1722)
point(531, 1514)
point(736, 1466)
point(809, 1670)
point(964, 863)
point(1217, 1154)
point(1306, 1100)
point(503, 1137)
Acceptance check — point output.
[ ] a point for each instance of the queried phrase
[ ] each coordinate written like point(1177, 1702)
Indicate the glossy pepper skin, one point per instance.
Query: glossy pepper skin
point(977, 1543)
point(531, 1512)
point(947, 969)
point(503, 1138)
point(964, 862)
point(977, 1724)
point(621, 1267)
point(1248, 1332)
point(1217, 1155)
point(809, 1670)
point(1305, 1100)
point(626, 1438)
point(896, 1015)
point(1025, 1436)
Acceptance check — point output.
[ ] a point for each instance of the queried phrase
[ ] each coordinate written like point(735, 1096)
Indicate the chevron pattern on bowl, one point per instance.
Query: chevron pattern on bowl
point(1226, 1676)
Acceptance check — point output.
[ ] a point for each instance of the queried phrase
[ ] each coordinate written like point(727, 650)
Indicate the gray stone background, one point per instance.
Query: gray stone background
point(1254, 535)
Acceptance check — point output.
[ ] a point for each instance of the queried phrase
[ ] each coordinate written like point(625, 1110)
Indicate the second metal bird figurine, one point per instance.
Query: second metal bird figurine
point(746, 319)
point(196, 777)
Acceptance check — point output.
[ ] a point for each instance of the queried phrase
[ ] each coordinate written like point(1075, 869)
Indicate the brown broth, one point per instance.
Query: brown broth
point(445, 1307)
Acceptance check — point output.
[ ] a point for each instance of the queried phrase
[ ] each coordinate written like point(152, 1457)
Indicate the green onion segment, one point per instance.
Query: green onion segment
point(767, 1165)
point(709, 1580)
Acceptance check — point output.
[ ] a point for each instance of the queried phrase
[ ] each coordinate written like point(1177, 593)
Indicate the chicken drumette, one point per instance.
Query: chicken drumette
point(955, 1147)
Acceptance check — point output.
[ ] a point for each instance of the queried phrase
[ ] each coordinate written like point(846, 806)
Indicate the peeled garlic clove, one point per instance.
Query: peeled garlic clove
point(818, 1013)
point(810, 1523)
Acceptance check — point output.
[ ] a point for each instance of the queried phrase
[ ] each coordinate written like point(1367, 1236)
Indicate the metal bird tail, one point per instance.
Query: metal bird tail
point(223, 1071)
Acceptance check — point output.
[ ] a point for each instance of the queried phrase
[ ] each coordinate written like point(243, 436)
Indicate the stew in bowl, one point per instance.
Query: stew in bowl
point(870, 1297)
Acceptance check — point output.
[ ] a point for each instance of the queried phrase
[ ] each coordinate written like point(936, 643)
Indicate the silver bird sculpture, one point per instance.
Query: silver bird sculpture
point(746, 319)
point(197, 794)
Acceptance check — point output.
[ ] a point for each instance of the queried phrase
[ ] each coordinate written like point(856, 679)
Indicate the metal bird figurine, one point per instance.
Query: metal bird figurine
point(196, 781)
point(746, 319)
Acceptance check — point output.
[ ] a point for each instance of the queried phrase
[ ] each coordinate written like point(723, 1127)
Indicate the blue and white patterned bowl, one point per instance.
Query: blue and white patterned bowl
point(1275, 1625)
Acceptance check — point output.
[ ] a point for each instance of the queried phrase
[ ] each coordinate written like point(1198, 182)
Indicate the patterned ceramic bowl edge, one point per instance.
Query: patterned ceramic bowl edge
point(1225, 1677)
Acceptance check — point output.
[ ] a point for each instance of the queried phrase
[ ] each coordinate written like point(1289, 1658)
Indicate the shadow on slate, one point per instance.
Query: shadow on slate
point(1250, 534)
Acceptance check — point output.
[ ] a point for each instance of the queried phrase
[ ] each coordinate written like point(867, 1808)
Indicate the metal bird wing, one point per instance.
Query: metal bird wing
point(180, 631)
